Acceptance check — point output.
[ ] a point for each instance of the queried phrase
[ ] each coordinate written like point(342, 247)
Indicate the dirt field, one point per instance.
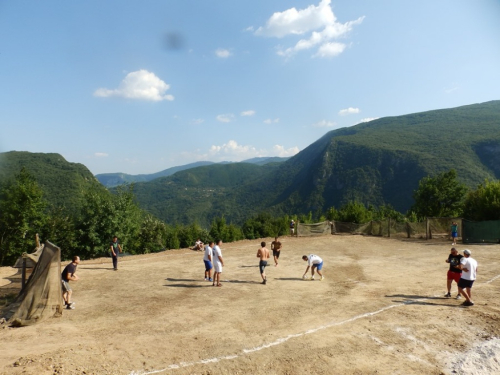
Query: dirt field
point(380, 310)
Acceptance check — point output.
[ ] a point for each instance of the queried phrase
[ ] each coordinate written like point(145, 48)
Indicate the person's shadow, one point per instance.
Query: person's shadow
point(421, 300)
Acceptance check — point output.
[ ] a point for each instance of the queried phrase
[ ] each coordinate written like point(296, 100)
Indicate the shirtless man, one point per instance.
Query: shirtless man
point(263, 254)
point(276, 248)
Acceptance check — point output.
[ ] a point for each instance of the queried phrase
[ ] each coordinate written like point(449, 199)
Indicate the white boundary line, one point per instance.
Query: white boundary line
point(282, 339)
point(265, 346)
point(490, 281)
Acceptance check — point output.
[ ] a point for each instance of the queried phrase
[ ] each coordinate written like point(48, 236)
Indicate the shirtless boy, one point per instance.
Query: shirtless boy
point(276, 248)
point(263, 254)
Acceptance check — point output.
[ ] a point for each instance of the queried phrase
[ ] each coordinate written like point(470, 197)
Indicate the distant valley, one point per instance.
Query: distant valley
point(380, 162)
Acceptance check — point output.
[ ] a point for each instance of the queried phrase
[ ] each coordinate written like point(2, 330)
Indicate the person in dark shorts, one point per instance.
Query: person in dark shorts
point(263, 254)
point(115, 247)
point(455, 272)
point(69, 274)
point(469, 272)
point(276, 248)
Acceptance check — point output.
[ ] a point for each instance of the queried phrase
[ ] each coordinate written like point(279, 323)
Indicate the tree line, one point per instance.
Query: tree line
point(24, 213)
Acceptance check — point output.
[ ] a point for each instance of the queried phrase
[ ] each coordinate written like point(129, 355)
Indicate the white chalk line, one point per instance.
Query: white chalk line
point(490, 281)
point(283, 339)
point(265, 346)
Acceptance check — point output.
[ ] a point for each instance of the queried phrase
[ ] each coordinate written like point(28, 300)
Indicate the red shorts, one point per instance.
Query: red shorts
point(454, 276)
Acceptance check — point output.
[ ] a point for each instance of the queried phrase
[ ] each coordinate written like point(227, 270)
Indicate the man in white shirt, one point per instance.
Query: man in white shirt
point(315, 262)
point(468, 265)
point(207, 259)
point(218, 263)
point(198, 245)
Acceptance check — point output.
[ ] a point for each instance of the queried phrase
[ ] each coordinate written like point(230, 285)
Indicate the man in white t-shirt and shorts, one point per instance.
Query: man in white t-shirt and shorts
point(469, 271)
point(207, 259)
point(315, 262)
point(218, 263)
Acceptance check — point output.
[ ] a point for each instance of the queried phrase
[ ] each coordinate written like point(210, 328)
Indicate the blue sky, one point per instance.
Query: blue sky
point(141, 86)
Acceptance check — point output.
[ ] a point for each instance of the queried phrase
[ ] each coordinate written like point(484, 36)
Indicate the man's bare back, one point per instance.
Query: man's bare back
point(263, 253)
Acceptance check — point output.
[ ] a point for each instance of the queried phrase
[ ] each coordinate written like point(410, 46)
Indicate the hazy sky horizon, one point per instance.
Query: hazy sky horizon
point(139, 87)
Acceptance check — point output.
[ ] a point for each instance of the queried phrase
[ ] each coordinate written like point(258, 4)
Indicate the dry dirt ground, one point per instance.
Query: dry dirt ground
point(380, 310)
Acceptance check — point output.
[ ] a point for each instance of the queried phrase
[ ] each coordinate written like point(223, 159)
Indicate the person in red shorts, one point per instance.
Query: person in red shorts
point(455, 272)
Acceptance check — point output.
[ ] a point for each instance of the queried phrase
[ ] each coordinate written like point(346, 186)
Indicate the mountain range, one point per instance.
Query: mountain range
point(379, 162)
point(116, 179)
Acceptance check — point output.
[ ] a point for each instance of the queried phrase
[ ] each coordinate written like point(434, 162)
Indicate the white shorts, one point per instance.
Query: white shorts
point(218, 266)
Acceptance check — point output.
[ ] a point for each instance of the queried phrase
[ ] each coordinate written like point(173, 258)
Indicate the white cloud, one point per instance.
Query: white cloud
point(348, 111)
point(330, 50)
point(250, 112)
point(222, 53)
point(282, 152)
point(225, 118)
point(324, 124)
point(235, 151)
point(232, 151)
point(197, 121)
point(367, 119)
point(100, 155)
point(138, 85)
point(293, 21)
point(309, 20)
point(271, 121)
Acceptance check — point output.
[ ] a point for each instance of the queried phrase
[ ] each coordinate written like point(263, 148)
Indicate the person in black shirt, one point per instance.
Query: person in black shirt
point(455, 272)
point(69, 274)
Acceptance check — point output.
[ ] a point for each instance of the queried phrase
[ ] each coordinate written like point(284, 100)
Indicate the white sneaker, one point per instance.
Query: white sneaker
point(322, 278)
point(458, 296)
point(312, 278)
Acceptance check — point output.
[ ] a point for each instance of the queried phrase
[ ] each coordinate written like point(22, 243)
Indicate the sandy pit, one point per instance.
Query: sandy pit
point(380, 310)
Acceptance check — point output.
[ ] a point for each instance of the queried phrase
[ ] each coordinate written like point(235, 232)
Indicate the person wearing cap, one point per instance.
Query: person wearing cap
point(455, 272)
point(292, 227)
point(468, 265)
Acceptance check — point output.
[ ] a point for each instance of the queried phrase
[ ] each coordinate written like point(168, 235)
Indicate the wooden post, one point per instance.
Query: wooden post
point(23, 280)
point(408, 229)
point(427, 229)
point(389, 227)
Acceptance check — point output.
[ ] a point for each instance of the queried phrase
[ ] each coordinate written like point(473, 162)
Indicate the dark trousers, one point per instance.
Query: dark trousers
point(115, 261)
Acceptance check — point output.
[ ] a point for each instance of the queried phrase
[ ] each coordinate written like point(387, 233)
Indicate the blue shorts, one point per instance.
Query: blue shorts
point(318, 266)
point(208, 265)
point(454, 234)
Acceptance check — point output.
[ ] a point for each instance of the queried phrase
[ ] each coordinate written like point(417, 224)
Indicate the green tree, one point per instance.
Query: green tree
point(127, 218)
point(60, 230)
point(439, 196)
point(354, 212)
point(22, 216)
point(153, 235)
point(387, 211)
point(484, 202)
point(97, 222)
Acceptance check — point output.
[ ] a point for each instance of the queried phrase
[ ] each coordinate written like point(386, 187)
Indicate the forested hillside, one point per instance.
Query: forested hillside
point(380, 162)
point(63, 183)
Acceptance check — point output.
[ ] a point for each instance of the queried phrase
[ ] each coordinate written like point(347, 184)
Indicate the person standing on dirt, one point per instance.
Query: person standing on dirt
point(263, 254)
point(218, 263)
point(69, 274)
point(292, 228)
point(454, 232)
point(469, 271)
point(315, 262)
point(455, 272)
point(115, 247)
point(276, 248)
point(207, 259)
